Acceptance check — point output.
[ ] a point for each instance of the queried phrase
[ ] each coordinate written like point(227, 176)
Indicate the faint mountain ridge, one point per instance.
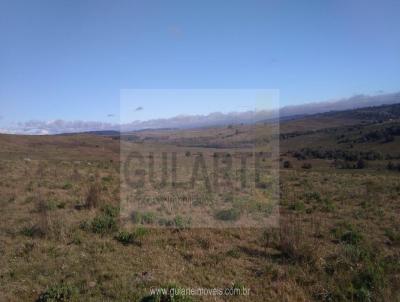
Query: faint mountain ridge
point(354, 102)
point(209, 120)
point(248, 117)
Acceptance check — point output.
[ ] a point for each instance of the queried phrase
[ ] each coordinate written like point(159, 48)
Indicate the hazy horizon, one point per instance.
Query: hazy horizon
point(248, 114)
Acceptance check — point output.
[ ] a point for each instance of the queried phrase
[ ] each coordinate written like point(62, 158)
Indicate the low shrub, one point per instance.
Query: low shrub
point(126, 237)
point(348, 234)
point(62, 205)
point(143, 218)
point(133, 237)
point(110, 210)
point(181, 222)
point(58, 293)
point(287, 164)
point(228, 215)
point(33, 231)
point(67, 186)
point(306, 166)
point(106, 179)
point(393, 236)
point(298, 206)
point(313, 196)
point(103, 224)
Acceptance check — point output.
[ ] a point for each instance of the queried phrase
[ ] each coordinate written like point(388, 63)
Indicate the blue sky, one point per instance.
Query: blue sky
point(140, 104)
point(70, 59)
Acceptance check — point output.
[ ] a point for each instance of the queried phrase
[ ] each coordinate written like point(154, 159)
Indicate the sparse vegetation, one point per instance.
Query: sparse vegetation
point(59, 293)
point(229, 214)
point(66, 236)
point(132, 237)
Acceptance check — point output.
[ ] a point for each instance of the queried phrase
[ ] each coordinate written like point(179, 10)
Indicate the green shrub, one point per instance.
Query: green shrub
point(313, 196)
point(143, 218)
point(44, 206)
point(181, 222)
point(126, 237)
point(370, 279)
point(346, 233)
point(33, 231)
point(328, 205)
point(261, 207)
point(287, 164)
point(393, 236)
point(228, 215)
point(106, 179)
point(131, 237)
point(298, 206)
point(110, 210)
point(61, 205)
point(104, 224)
point(351, 237)
point(58, 293)
point(234, 253)
point(178, 222)
point(67, 186)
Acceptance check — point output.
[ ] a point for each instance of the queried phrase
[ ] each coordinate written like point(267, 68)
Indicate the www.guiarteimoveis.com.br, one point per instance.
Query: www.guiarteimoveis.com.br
point(179, 291)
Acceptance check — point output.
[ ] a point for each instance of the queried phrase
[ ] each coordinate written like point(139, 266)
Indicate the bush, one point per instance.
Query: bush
point(106, 179)
point(287, 164)
point(67, 186)
point(337, 154)
point(393, 167)
point(180, 222)
point(228, 215)
point(306, 166)
point(131, 237)
point(328, 205)
point(346, 233)
point(298, 206)
point(369, 279)
point(62, 205)
point(58, 293)
point(393, 236)
point(44, 206)
point(33, 231)
point(351, 237)
point(143, 218)
point(313, 196)
point(110, 210)
point(360, 164)
point(126, 237)
point(103, 224)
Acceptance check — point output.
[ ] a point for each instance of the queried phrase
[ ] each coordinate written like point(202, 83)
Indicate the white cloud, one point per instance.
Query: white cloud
point(36, 127)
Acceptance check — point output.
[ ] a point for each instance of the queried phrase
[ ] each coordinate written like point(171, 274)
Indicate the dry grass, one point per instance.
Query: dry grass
point(336, 240)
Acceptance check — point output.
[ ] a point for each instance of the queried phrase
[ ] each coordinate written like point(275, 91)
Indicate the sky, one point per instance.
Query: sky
point(175, 102)
point(72, 60)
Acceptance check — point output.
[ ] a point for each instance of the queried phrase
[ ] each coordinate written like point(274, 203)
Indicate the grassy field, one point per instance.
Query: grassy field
point(63, 238)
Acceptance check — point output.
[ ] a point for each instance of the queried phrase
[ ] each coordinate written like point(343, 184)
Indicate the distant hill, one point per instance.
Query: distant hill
point(366, 129)
point(100, 133)
point(355, 102)
point(251, 117)
point(216, 119)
